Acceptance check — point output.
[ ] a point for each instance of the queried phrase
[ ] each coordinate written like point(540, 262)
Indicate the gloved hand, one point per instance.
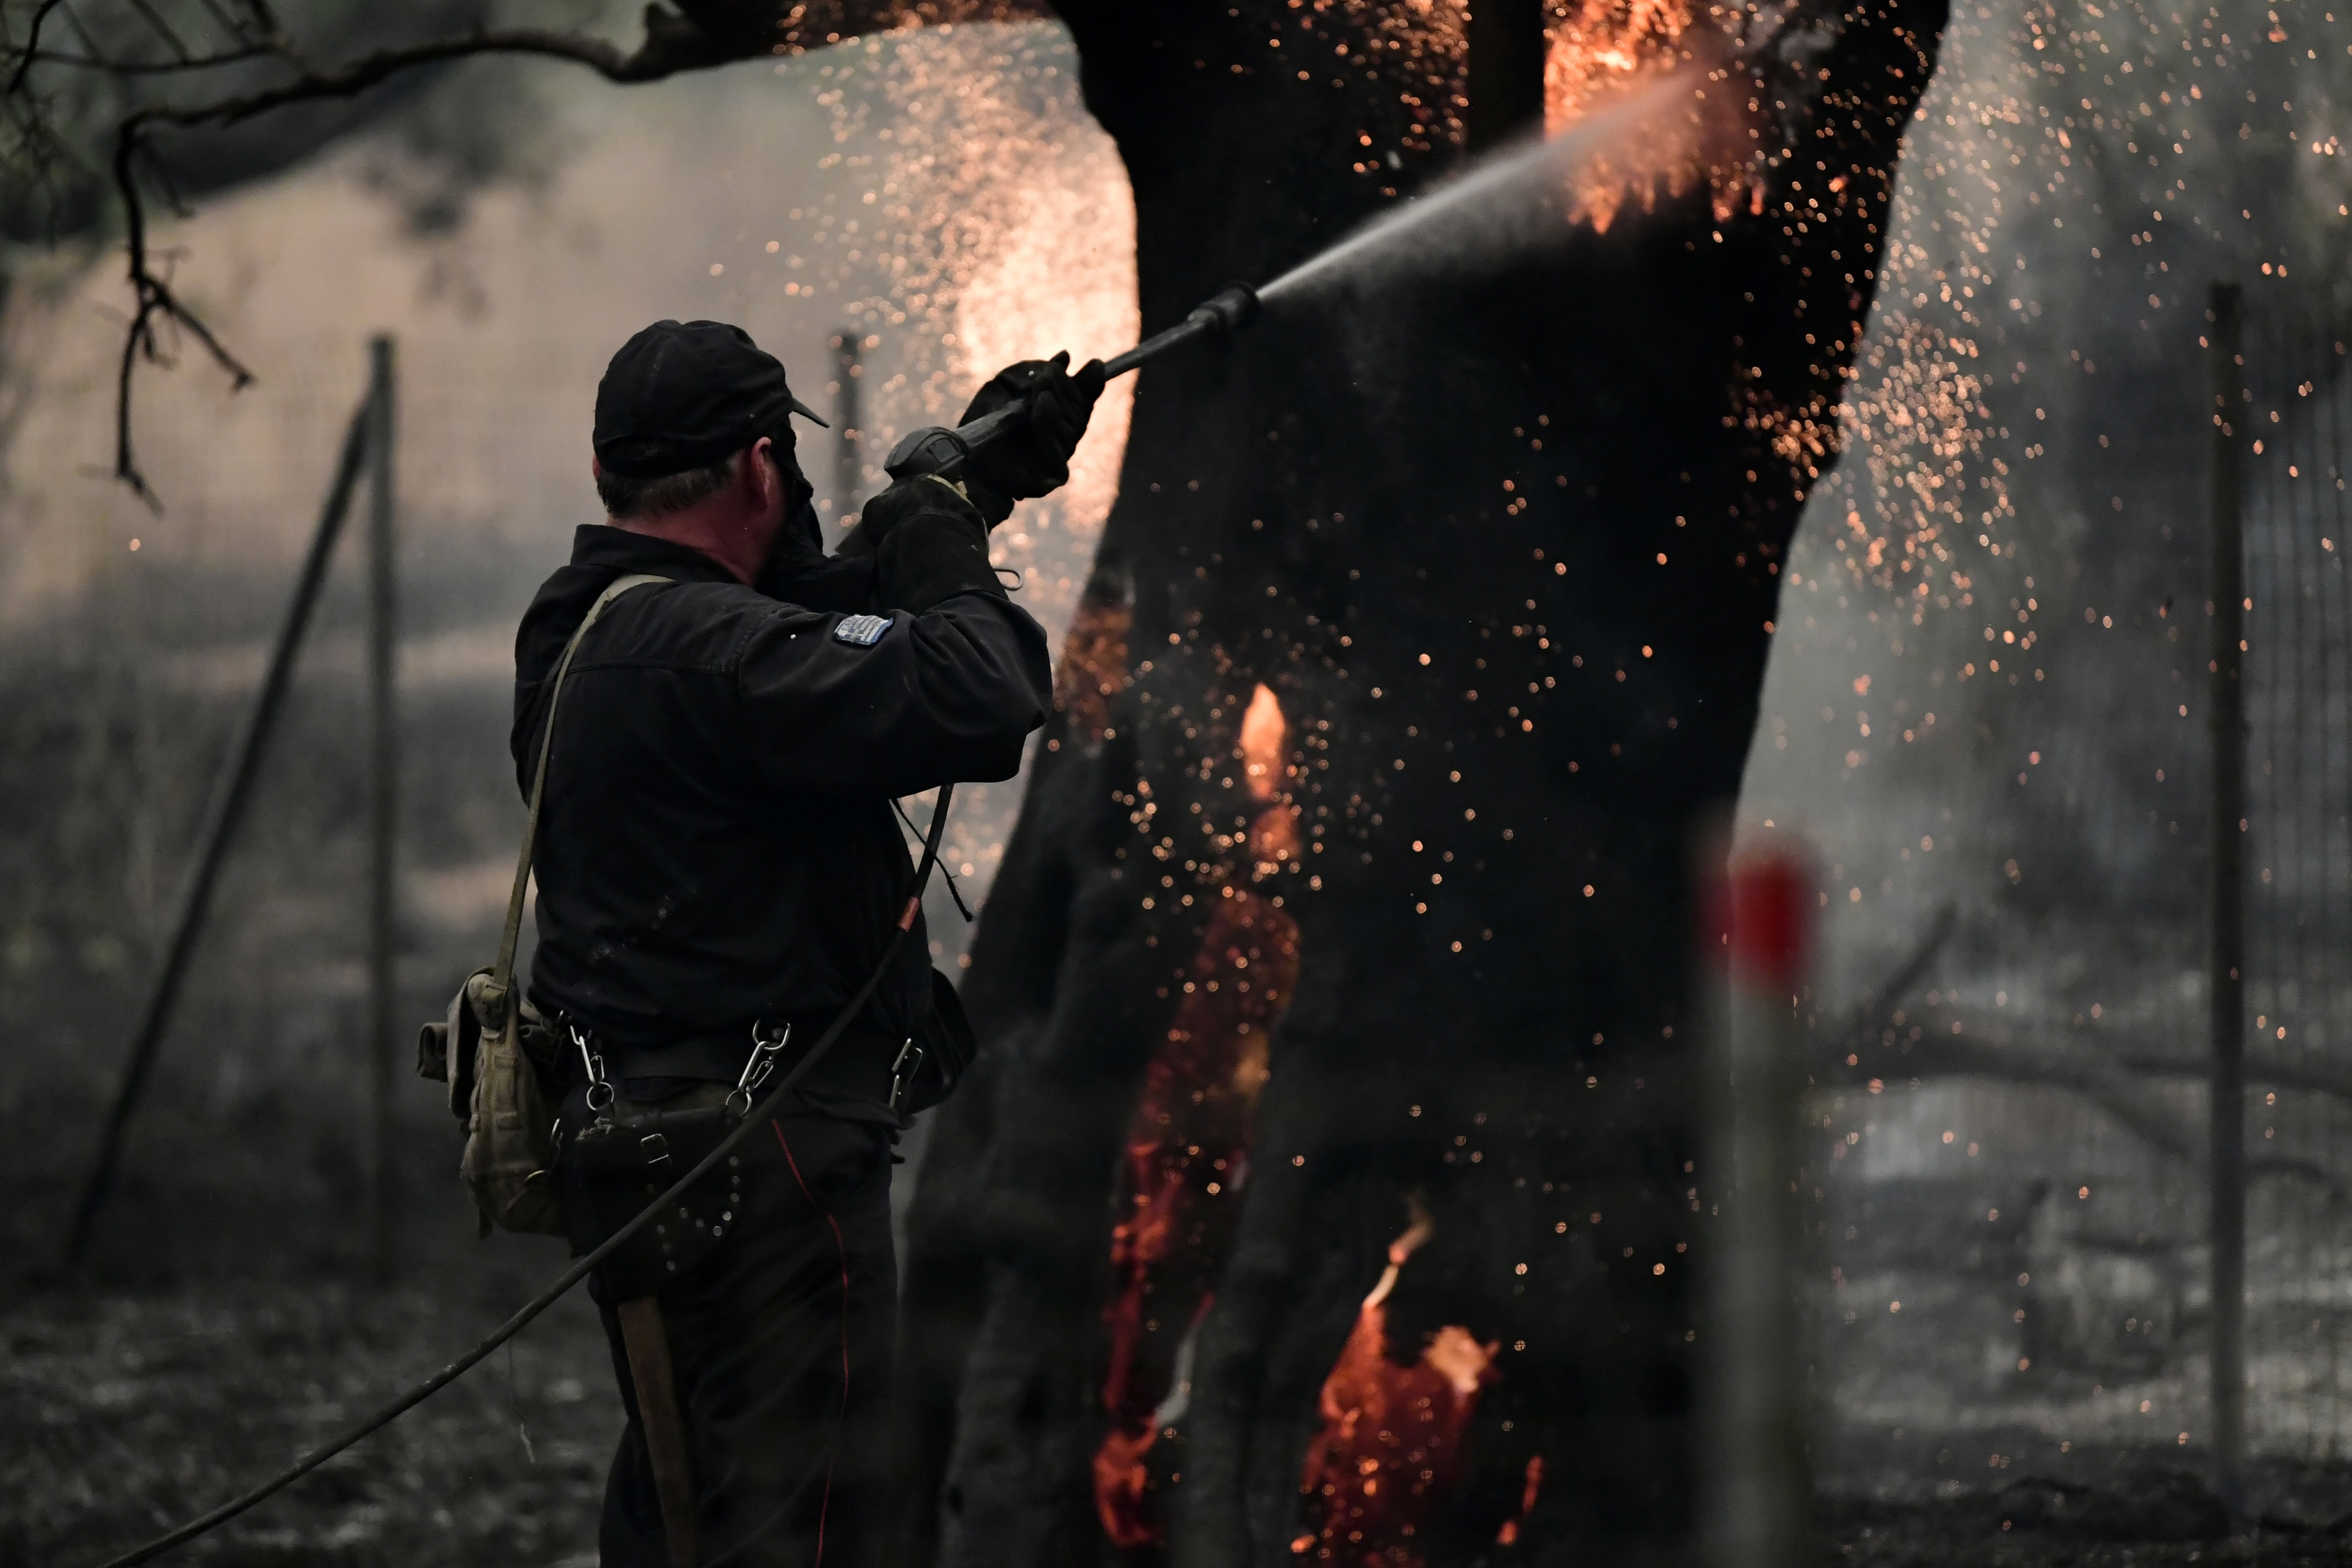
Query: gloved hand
point(1033, 458)
point(926, 541)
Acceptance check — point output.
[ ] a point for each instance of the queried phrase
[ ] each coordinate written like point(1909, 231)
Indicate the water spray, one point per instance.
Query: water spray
point(940, 451)
point(1485, 213)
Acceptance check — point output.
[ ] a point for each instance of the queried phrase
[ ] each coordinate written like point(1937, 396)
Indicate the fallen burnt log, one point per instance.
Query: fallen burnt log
point(1328, 1190)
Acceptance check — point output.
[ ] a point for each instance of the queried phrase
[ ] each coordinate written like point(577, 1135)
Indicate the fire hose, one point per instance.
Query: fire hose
point(934, 450)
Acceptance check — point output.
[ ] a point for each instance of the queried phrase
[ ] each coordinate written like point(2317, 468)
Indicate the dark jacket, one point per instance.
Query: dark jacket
point(717, 841)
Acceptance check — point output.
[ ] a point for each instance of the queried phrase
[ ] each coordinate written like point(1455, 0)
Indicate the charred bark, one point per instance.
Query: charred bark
point(1505, 72)
point(1506, 551)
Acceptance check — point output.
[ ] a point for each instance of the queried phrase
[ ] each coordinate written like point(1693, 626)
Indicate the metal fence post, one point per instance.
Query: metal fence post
point(2228, 958)
point(226, 809)
point(848, 470)
point(384, 800)
point(1758, 1472)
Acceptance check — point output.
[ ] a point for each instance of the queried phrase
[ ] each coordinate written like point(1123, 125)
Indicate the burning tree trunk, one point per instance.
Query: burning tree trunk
point(1330, 1188)
point(1336, 987)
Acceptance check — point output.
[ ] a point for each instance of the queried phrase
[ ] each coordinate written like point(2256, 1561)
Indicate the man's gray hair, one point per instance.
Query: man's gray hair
point(627, 500)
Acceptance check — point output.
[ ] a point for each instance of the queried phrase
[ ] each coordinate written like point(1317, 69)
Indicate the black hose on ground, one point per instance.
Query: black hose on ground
point(581, 1267)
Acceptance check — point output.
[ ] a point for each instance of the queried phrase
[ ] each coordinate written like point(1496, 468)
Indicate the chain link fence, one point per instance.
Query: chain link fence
point(2013, 1217)
point(2299, 767)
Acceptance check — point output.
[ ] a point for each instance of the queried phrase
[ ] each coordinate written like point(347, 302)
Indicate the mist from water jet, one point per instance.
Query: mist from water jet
point(1506, 202)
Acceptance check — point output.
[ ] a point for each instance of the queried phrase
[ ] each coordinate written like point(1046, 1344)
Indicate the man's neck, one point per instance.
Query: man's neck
point(695, 530)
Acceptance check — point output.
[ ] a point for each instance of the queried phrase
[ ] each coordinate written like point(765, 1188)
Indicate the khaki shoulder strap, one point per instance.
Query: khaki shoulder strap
point(502, 977)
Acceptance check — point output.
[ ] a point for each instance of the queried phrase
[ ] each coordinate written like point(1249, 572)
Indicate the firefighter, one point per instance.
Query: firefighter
point(720, 871)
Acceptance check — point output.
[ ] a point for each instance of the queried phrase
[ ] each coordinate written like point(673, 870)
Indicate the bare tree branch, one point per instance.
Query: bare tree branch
point(672, 44)
point(162, 30)
point(2119, 1085)
point(222, 20)
point(1870, 1015)
point(32, 43)
point(152, 298)
point(708, 33)
point(153, 68)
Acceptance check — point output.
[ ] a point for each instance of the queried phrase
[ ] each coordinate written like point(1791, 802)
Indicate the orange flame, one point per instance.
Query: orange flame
point(1273, 837)
point(1392, 1439)
point(1264, 729)
point(1528, 1495)
point(1599, 50)
point(1188, 1149)
point(1189, 1142)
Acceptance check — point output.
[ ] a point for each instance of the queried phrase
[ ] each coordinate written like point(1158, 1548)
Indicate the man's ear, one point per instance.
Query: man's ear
point(595, 469)
point(763, 472)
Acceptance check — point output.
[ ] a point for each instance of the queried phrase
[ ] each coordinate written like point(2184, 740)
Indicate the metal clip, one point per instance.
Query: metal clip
point(903, 1069)
point(766, 1046)
point(655, 1147)
point(600, 1092)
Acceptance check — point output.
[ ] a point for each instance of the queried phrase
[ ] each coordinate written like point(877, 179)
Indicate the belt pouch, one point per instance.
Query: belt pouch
point(612, 1166)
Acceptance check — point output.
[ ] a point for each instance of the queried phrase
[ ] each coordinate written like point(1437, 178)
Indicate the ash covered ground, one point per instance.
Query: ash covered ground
point(122, 1413)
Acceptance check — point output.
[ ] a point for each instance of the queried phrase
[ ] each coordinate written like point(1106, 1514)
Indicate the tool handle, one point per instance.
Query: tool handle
point(1152, 347)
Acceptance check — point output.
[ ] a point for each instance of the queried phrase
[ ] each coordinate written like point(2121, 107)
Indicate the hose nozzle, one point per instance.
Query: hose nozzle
point(1230, 308)
point(945, 452)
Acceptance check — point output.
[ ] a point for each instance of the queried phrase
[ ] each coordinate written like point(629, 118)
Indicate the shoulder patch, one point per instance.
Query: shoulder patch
point(861, 631)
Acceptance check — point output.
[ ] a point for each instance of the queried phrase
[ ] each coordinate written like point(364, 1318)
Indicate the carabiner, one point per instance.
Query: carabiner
point(910, 1062)
point(600, 1092)
point(766, 1047)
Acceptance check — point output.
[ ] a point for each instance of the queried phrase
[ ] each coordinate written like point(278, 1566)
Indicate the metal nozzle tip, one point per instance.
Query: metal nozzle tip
point(1230, 308)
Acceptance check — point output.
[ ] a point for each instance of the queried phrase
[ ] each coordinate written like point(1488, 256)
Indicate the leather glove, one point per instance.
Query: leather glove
point(927, 542)
point(1033, 457)
point(799, 572)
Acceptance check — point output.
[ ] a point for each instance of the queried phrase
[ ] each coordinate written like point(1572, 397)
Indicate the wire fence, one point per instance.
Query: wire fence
point(2299, 765)
point(2014, 1237)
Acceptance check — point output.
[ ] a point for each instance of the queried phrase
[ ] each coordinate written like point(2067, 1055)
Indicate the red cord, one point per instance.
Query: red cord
point(841, 1251)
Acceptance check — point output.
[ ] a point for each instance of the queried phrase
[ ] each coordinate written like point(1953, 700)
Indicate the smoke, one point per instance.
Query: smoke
point(129, 639)
point(1988, 686)
point(2029, 420)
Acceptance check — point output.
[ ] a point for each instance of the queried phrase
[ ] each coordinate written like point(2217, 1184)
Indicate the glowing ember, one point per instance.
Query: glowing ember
point(1189, 1142)
point(1188, 1149)
point(1094, 665)
point(1392, 1439)
point(990, 222)
point(1601, 50)
point(1427, 47)
point(980, 216)
point(1597, 46)
point(1528, 1495)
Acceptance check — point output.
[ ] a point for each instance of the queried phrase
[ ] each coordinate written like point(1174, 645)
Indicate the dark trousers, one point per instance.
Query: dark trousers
point(781, 1350)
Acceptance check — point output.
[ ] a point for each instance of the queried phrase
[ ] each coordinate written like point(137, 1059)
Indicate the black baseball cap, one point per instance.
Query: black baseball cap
point(684, 395)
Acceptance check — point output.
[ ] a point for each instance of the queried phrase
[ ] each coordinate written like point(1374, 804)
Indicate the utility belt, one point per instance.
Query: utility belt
point(862, 1065)
point(613, 1152)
